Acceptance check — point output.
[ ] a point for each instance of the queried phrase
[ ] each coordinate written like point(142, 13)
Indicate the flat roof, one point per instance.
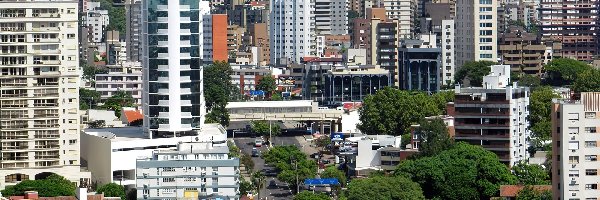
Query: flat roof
point(136, 133)
point(270, 104)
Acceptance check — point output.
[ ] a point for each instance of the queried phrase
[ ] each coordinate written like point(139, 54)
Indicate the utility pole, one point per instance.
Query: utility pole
point(297, 185)
point(270, 135)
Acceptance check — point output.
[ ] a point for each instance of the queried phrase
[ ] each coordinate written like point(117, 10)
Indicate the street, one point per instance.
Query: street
point(282, 190)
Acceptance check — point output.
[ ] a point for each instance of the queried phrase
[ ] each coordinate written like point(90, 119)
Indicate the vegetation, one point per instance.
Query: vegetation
point(245, 187)
point(588, 81)
point(462, 172)
point(88, 99)
point(262, 128)
point(322, 142)
point(246, 160)
point(306, 195)
point(117, 101)
point(89, 72)
point(564, 71)
point(112, 190)
point(268, 85)
point(392, 111)
point(218, 90)
point(540, 104)
point(434, 137)
point(529, 193)
point(258, 180)
point(352, 14)
point(381, 187)
point(473, 71)
point(529, 80)
point(234, 151)
point(333, 172)
point(530, 174)
point(291, 163)
point(53, 186)
point(116, 16)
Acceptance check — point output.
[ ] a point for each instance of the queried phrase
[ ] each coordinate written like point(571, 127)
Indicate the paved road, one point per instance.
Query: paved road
point(281, 190)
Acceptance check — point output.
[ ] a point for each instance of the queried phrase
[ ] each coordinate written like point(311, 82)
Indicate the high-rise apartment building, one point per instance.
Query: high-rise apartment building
point(574, 23)
point(260, 38)
point(215, 38)
point(494, 116)
point(291, 30)
point(39, 91)
point(331, 17)
point(133, 32)
point(405, 12)
point(173, 100)
point(447, 45)
point(525, 52)
point(575, 138)
point(96, 20)
point(384, 46)
point(476, 31)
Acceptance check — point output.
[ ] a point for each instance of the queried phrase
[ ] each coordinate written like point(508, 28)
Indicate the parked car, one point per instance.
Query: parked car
point(272, 184)
point(258, 142)
point(255, 152)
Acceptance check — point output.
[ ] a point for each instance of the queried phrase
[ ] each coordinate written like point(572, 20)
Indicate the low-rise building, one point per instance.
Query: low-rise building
point(525, 52)
point(247, 78)
point(109, 84)
point(354, 83)
point(364, 154)
point(197, 170)
point(416, 138)
point(419, 64)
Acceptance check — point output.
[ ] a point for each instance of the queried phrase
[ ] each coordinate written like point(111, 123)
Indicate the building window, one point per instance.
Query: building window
point(573, 145)
point(168, 180)
point(573, 173)
point(573, 159)
point(590, 129)
point(485, 40)
point(215, 190)
point(485, 48)
point(482, 17)
point(485, 32)
point(590, 115)
point(485, 2)
point(573, 116)
point(590, 144)
point(591, 186)
point(591, 157)
point(591, 172)
point(484, 55)
point(13, 178)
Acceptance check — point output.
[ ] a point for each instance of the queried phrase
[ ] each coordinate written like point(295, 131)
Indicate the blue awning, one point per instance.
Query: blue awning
point(322, 181)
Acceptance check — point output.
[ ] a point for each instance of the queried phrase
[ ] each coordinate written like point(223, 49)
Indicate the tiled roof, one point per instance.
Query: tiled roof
point(133, 115)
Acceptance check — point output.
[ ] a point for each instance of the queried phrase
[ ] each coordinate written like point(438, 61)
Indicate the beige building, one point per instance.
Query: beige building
point(525, 52)
point(575, 124)
point(404, 12)
point(476, 31)
point(39, 98)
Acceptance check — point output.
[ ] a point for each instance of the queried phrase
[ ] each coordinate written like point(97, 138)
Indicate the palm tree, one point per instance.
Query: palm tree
point(259, 180)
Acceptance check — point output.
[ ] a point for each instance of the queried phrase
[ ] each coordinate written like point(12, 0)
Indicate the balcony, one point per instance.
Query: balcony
point(44, 29)
point(46, 15)
point(46, 62)
point(54, 51)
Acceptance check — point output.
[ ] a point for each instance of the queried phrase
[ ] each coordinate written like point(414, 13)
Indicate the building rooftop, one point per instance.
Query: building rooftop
point(270, 104)
point(136, 133)
point(194, 148)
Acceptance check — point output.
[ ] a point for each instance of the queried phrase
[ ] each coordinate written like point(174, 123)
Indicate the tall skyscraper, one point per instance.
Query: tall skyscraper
point(575, 124)
point(291, 30)
point(331, 17)
point(404, 11)
point(39, 91)
point(173, 100)
point(133, 33)
point(476, 31)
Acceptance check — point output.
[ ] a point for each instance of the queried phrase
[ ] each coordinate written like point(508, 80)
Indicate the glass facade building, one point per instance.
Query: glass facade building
point(173, 93)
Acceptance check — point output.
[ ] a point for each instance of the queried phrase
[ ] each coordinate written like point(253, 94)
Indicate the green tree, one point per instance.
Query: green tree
point(218, 114)
point(392, 111)
point(245, 187)
point(352, 14)
point(588, 81)
point(258, 180)
point(306, 195)
point(112, 190)
point(380, 187)
point(531, 174)
point(530, 193)
point(218, 90)
point(116, 15)
point(462, 172)
point(267, 84)
point(473, 71)
point(529, 80)
point(564, 71)
point(117, 101)
point(540, 104)
point(291, 163)
point(234, 151)
point(322, 142)
point(434, 137)
point(262, 128)
point(89, 72)
point(442, 98)
point(247, 161)
point(333, 172)
point(276, 97)
point(88, 98)
point(53, 186)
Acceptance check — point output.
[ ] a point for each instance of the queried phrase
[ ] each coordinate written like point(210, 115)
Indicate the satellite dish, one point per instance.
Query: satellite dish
point(197, 139)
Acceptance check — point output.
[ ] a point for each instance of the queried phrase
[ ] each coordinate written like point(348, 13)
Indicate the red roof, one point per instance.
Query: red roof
point(133, 115)
point(319, 59)
point(513, 190)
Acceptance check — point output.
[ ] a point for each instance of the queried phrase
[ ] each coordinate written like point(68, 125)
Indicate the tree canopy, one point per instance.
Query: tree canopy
point(53, 186)
point(588, 81)
point(434, 137)
point(529, 193)
point(564, 71)
point(333, 172)
point(218, 90)
point(392, 111)
point(261, 128)
point(473, 71)
point(116, 15)
point(462, 172)
point(540, 104)
point(306, 195)
point(119, 100)
point(381, 187)
point(267, 84)
point(290, 162)
point(531, 174)
point(529, 80)
point(88, 98)
point(112, 190)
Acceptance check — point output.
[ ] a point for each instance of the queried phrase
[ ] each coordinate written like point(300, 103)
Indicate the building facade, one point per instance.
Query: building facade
point(260, 38)
point(405, 12)
point(384, 46)
point(313, 76)
point(331, 17)
point(133, 33)
point(39, 91)
point(525, 52)
point(577, 30)
point(419, 65)
point(196, 170)
point(173, 92)
point(97, 20)
point(354, 83)
point(575, 124)
point(476, 31)
point(448, 53)
point(494, 116)
point(291, 30)
point(215, 38)
point(109, 84)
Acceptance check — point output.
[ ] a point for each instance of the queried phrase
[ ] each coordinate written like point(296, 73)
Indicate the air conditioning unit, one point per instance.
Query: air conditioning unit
point(145, 185)
point(145, 175)
point(145, 196)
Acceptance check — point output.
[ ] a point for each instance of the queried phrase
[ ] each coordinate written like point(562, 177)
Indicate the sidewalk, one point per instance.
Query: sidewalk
point(306, 145)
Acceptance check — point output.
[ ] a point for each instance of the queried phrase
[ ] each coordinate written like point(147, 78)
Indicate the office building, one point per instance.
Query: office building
point(354, 83)
point(97, 20)
point(260, 38)
point(215, 38)
point(331, 17)
point(133, 32)
point(39, 91)
point(575, 124)
point(419, 64)
point(525, 52)
point(384, 46)
point(494, 116)
point(247, 78)
point(173, 99)
point(476, 31)
point(291, 30)
point(195, 170)
point(313, 76)
point(404, 11)
point(111, 153)
point(572, 23)
point(448, 54)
